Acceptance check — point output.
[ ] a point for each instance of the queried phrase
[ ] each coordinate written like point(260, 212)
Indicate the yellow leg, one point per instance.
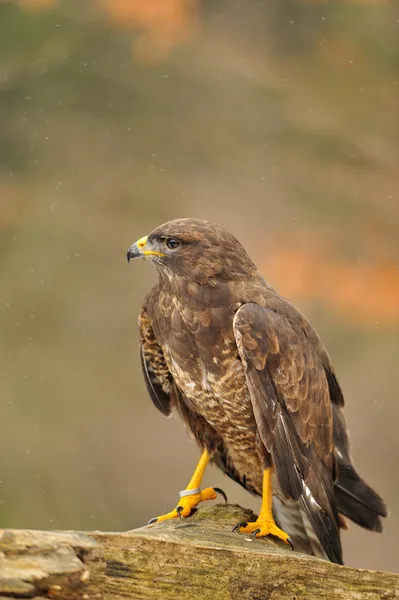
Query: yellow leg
point(192, 495)
point(265, 524)
point(198, 474)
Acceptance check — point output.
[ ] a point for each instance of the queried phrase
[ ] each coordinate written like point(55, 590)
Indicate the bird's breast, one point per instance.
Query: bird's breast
point(216, 388)
point(202, 355)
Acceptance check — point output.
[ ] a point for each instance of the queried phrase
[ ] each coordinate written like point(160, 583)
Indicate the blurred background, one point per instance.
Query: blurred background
point(280, 121)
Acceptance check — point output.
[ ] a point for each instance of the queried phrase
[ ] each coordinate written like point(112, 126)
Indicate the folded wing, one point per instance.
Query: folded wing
point(158, 379)
point(291, 402)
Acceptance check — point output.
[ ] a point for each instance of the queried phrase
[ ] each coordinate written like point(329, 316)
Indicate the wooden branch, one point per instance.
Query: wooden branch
point(197, 557)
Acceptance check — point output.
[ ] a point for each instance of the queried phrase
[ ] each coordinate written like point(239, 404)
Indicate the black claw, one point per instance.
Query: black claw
point(221, 492)
point(153, 520)
point(179, 510)
point(289, 540)
point(253, 536)
point(241, 524)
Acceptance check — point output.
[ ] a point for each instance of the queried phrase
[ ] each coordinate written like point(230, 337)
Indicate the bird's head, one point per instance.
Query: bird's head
point(195, 250)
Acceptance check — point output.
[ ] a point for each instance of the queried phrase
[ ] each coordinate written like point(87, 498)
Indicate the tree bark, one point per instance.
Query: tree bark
point(191, 558)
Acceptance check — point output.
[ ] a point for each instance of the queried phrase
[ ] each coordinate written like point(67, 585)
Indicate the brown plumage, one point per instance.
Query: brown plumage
point(252, 381)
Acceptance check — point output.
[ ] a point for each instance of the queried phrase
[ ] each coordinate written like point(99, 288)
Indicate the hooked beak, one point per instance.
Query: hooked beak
point(138, 250)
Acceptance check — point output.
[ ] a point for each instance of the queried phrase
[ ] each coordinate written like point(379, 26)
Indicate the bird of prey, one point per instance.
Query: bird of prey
point(253, 382)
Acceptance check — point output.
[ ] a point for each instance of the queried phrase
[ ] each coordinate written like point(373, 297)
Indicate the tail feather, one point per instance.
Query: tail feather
point(318, 502)
point(291, 517)
point(312, 522)
point(357, 500)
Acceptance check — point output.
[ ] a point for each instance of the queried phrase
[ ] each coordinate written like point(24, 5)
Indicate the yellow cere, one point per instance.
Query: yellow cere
point(141, 243)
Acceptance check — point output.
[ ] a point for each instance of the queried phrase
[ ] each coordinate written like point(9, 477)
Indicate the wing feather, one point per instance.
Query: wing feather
point(158, 379)
point(290, 398)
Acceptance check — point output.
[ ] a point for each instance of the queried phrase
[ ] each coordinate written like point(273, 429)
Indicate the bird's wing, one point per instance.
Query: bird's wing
point(291, 403)
point(354, 497)
point(158, 379)
point(336, 395)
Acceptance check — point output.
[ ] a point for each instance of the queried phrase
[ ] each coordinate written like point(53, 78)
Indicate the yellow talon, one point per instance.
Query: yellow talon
point(192, 495)
point(261, 528)
point(186, 505)
point(265, 524)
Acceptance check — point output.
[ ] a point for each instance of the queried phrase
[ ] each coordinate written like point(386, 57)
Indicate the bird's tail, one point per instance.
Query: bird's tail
point(356, 499)
point(353, 496)
point(290, 516)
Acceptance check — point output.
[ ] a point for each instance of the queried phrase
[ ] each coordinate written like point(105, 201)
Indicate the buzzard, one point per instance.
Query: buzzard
point(253, 382)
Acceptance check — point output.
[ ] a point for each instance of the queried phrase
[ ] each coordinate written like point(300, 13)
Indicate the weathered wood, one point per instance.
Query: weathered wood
point(194, 558)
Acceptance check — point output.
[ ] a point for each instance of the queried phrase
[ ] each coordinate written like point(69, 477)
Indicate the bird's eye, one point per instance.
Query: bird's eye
point(172, 243)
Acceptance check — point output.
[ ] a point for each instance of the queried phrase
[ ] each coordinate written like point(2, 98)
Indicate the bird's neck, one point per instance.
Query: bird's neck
point(212, 293)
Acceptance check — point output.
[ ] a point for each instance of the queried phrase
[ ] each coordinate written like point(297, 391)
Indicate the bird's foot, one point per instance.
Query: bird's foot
point(261, 528)
point(189, 499)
